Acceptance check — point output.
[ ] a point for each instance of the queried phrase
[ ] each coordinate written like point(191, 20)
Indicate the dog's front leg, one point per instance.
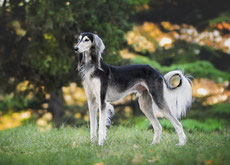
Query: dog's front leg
point(100, 93)
point(93, 108)
point(102, 124)
point(93, 119)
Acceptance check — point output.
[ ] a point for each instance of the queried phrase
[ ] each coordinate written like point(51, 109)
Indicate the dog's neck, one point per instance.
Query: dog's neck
point(83, 59)
point(87, 57)
point(88, 62)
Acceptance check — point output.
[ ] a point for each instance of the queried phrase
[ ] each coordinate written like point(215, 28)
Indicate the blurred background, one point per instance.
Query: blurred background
point(38, 80)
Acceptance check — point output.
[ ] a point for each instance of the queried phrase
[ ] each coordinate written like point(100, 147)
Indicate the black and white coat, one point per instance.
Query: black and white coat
point(104, 84)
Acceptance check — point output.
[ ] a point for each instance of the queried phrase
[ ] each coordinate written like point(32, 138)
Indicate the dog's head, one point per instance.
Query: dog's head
point(91, 43)
point(88, 40)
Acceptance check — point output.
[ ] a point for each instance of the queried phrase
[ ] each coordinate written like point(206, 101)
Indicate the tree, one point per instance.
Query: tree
point(37, 40)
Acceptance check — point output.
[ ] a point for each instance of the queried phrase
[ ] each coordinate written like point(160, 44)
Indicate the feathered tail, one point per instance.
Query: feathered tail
point(179, 98)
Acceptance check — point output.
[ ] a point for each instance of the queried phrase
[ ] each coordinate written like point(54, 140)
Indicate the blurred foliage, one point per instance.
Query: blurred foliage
point(37, 61)
point(37, 39)
point(221, 109)
point(197, 69)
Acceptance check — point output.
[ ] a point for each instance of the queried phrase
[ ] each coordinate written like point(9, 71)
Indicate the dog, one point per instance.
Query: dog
point(104, 84)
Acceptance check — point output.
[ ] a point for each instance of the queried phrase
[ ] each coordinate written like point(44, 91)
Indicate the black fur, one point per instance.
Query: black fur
point(88, 34)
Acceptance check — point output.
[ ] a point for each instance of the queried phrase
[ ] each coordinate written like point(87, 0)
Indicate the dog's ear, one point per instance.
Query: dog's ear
point(98, 43)
point(97, 49)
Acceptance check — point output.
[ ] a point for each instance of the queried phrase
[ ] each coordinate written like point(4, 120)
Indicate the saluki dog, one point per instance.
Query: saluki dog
point(104, 84)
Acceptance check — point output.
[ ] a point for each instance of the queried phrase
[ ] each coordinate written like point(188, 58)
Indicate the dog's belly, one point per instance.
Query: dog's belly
point(114, 95)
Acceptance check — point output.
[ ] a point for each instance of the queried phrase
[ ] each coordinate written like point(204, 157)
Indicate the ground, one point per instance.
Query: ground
point(125, 145)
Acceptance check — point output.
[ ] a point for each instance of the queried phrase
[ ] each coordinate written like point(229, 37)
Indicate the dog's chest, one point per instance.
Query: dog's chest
point(92, 85)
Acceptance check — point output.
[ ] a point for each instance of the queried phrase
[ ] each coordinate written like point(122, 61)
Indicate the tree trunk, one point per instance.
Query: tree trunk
point(56, 107)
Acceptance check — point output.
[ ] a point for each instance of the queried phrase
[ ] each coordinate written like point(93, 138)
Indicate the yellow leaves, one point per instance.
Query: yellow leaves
point(47, 116)
point(167, 25)
point(86, 118)
point(77, 115)
point(126, 54)
point(147, 36)
point(67, 3)
point(17, 27)
point(49, 37)
point(74, 95)
point(143, 7)
point(41, 122)
point(215, 93)
point(138, 40)
point(22, 86)
point(209, 162)
point(144, 37)
point(223, 25)
point(14, 119)
point(128, 111)
point(44, 123)
point(165, 41)
point(25, 85)
point(45, 105)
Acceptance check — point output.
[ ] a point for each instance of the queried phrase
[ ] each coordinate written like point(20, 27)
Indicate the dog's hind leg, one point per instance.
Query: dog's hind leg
point(146, 105)
point(156, 91)
point(177, 125)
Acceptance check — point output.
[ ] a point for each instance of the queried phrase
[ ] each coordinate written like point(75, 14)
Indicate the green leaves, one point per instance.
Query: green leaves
point(198, 69)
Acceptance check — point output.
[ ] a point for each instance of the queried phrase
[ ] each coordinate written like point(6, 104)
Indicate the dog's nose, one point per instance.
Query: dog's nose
point(76, 49)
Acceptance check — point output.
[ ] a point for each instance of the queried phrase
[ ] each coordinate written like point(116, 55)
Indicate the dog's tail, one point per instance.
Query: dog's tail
point(179, 97)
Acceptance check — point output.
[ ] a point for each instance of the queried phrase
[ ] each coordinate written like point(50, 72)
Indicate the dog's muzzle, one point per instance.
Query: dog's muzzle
point(76, 49)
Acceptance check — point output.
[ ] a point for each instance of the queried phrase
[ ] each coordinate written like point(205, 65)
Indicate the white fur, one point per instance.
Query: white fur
point(83, 70)
point(179, 99)
point(83, 45)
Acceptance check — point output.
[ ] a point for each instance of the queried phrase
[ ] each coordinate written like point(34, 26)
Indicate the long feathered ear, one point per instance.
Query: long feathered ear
point(97, 50)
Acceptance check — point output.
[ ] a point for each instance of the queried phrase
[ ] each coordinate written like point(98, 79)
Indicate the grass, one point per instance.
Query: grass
point(125, 145)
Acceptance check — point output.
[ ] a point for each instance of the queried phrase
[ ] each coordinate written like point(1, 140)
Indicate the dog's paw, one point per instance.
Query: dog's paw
point(101, 143)
point(181, 144)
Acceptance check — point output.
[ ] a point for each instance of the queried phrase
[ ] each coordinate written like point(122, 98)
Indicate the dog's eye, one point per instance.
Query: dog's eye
point(86, 40)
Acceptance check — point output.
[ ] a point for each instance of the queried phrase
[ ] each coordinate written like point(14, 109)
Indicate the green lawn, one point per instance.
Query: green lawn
point(27, 145)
